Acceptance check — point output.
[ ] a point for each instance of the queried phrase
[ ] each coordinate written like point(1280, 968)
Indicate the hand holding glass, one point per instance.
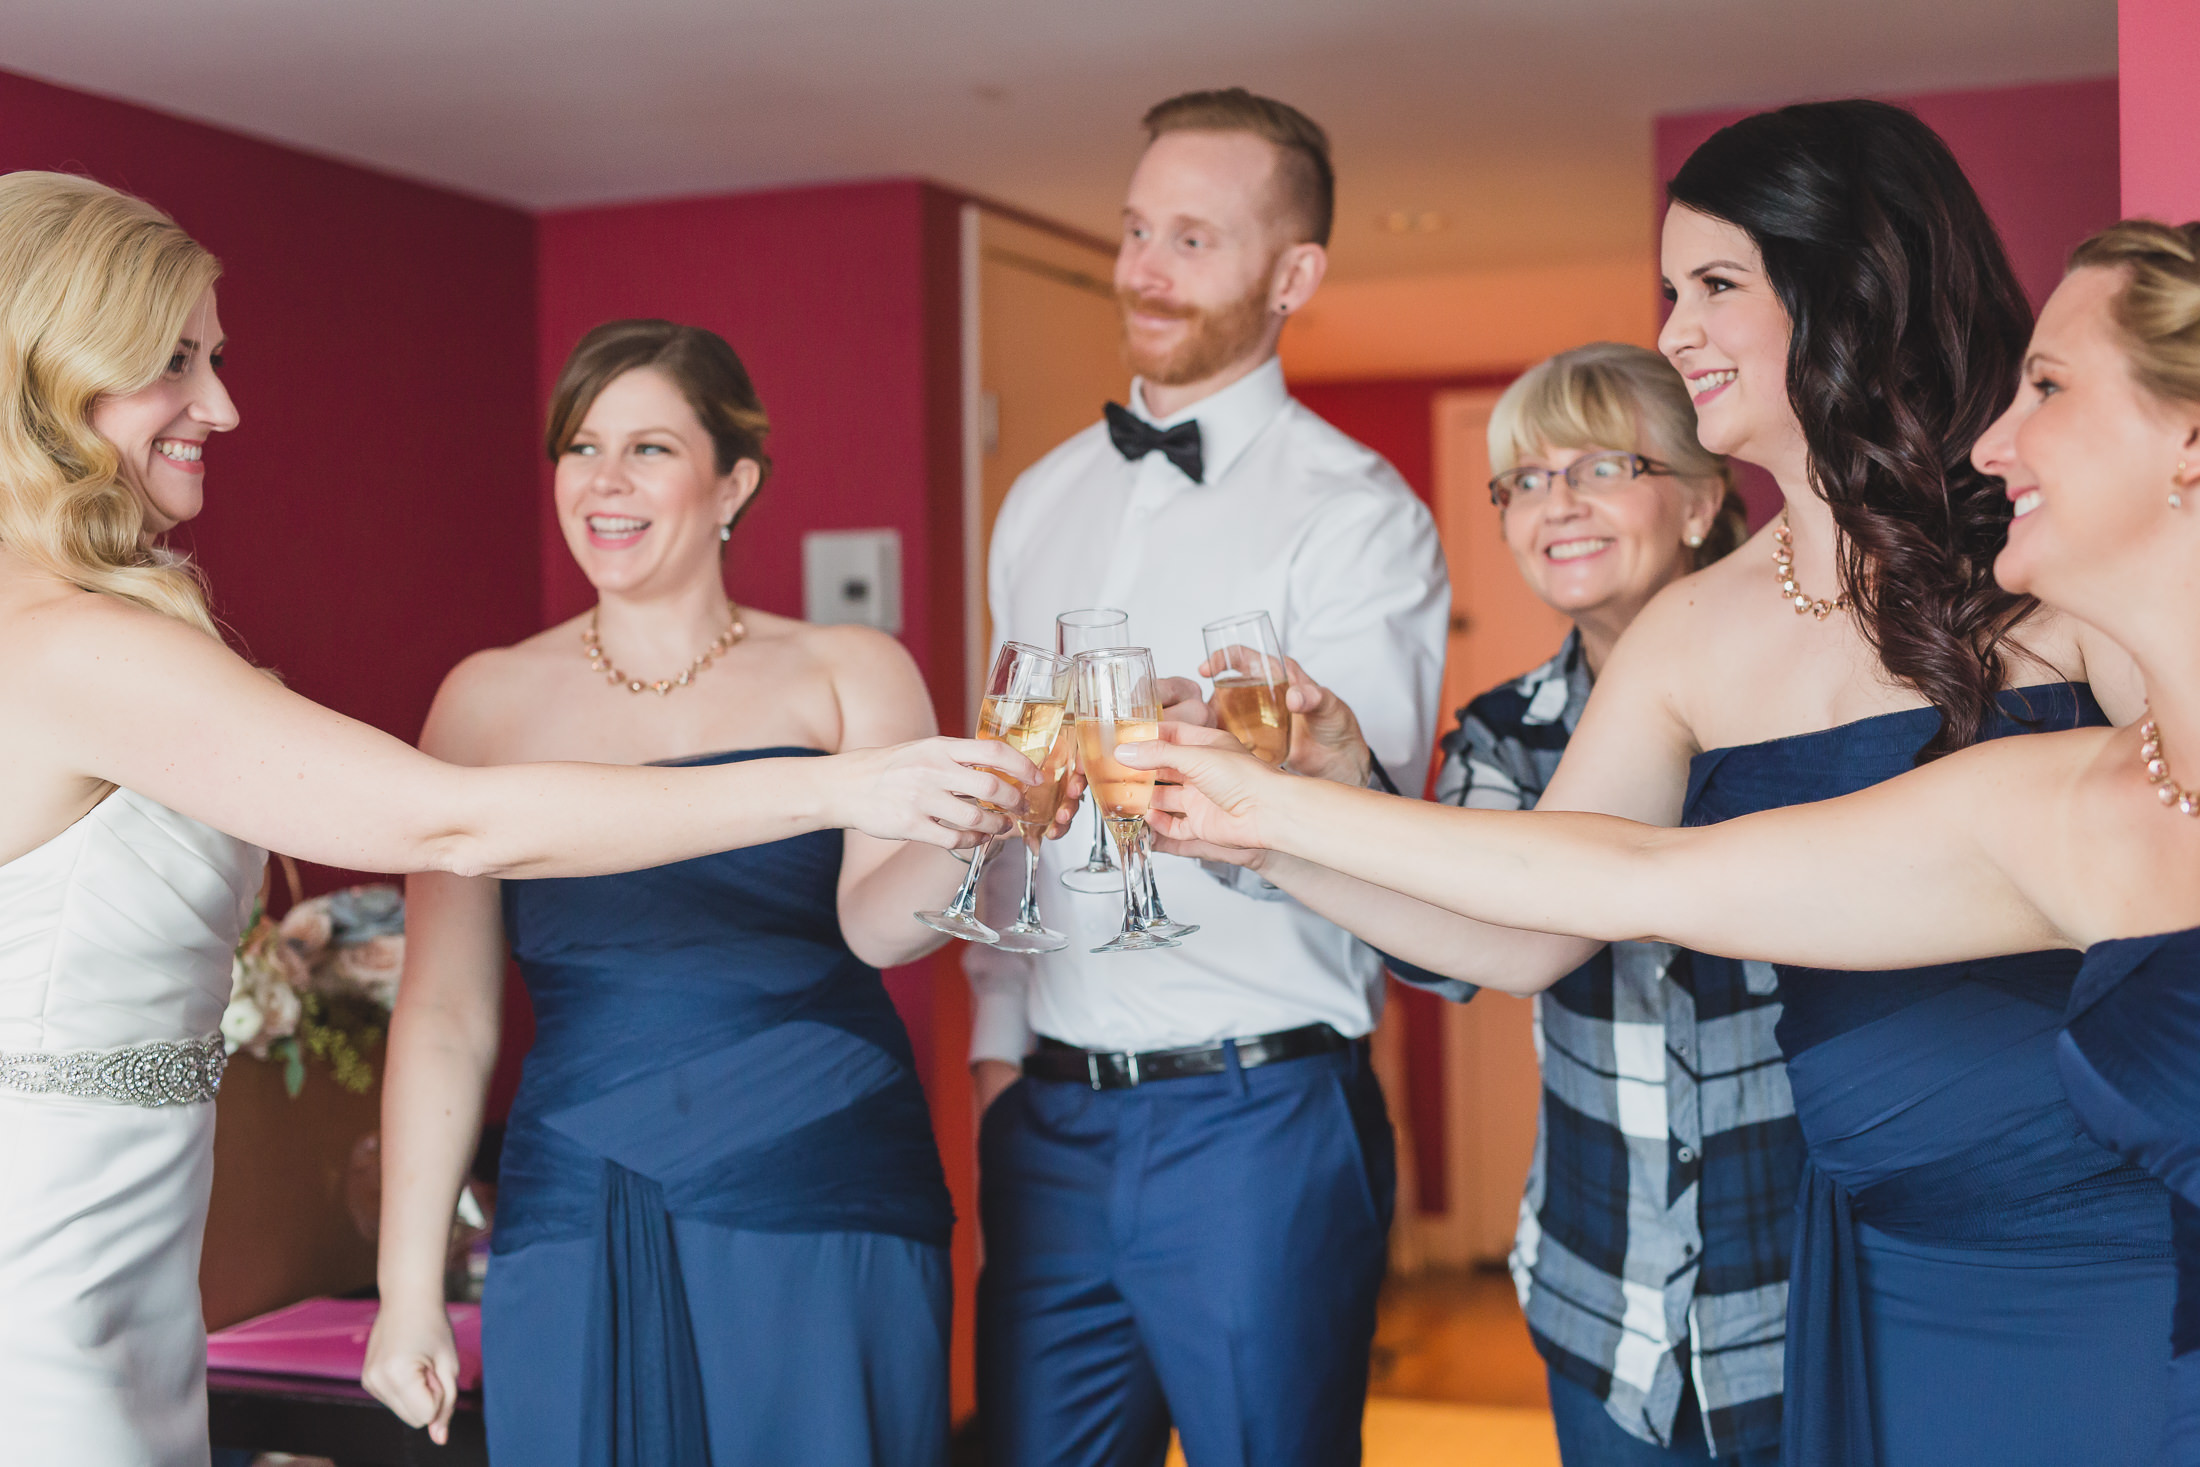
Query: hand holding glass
point(1250, 682)
point(1025, 700)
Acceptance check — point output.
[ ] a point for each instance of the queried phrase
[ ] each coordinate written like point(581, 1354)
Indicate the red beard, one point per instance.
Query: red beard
point(1216, 339)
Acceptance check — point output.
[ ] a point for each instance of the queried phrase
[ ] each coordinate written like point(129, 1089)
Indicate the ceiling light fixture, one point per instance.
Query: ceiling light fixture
point(1411, 221)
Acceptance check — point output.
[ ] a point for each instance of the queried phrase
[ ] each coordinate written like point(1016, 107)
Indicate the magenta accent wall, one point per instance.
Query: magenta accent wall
point(2158, 57)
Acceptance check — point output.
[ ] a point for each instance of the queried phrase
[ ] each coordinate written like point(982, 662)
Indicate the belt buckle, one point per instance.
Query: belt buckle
point(1092, 1067)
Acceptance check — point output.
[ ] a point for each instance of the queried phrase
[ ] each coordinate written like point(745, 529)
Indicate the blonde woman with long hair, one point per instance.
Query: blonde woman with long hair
point(143, 766)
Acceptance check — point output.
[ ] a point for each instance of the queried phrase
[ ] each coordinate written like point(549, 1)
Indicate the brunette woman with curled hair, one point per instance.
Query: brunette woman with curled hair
point(1967, 1262)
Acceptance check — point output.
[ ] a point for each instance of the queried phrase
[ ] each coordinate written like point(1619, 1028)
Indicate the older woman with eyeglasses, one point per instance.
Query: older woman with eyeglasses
point(1606, 498)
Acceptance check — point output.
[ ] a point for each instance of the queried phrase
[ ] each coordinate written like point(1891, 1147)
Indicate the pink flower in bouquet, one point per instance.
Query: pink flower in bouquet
point(371, 968)
point(306, 930)
point(280, 1008)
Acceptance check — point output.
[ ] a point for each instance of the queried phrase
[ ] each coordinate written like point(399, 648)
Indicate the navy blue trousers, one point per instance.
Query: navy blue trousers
point(1204, 1252)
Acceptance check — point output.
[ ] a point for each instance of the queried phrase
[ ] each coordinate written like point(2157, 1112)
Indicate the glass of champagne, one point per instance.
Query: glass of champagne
point(1029, 933)
point(1086, 631)
point(1250, 682)
point(1117, 701)
point(1024, 701)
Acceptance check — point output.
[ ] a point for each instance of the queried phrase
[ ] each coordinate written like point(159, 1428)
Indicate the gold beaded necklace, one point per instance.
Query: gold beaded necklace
point(597, 662)
point(1783, 560)
point(2183, 801)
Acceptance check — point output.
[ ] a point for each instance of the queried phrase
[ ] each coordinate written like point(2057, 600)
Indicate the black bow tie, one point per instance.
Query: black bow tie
point(1134, 438)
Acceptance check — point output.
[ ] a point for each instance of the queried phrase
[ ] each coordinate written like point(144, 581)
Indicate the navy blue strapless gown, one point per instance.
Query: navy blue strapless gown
point(2131, 1062)
point(1976, 1281)
point(722, 1227)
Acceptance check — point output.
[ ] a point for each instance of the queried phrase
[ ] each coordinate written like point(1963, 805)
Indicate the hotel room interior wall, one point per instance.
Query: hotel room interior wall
point(844, 303)
point(2157, 55)
point(370, 522)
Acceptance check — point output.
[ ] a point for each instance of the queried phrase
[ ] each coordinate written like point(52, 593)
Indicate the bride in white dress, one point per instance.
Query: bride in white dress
point(142, 767)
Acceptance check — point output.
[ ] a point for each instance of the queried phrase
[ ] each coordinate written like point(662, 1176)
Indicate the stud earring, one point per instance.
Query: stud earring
point(1693, 542)
point(725, 532)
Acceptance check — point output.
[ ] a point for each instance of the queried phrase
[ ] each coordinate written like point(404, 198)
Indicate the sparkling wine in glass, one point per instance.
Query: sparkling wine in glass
point(1116, 700)
point(1085, 631)
point(1250, 682)
point(1029, 933)
point(1025, 700)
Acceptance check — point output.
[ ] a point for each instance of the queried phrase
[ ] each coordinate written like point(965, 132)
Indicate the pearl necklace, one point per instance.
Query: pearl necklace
point(2183, 801)
point(597, 662)
point(1783, 559)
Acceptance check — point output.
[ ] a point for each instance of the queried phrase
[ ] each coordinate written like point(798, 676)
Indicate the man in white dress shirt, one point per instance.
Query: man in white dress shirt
point(1187, 1174)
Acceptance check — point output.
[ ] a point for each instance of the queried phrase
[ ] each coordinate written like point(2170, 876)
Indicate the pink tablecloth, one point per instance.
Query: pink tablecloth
point(328, 1338)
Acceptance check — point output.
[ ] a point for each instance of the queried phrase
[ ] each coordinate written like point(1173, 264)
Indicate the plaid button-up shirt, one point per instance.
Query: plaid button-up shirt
point(1655, 1232)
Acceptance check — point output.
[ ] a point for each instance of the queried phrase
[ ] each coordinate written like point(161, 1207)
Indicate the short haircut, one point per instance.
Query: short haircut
point(698, 362)
point(1305, 183)
point(1613, 396)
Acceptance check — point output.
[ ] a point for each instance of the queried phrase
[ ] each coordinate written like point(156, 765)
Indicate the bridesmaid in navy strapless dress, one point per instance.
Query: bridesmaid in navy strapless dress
point(1969, 1263)
point(2131, 1063)
point(722, 1226)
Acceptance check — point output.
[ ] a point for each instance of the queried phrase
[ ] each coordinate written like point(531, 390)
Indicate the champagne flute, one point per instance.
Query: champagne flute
point(1250, 682)
point(1025, 699)
point(1084, 631)
point(1117, 701)
point(1029, 933)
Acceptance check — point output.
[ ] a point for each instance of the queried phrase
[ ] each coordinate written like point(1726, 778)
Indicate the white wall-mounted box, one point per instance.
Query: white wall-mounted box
point(852, 576)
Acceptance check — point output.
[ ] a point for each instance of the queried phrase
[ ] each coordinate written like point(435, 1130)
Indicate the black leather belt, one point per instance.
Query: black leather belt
point(1054, 1060)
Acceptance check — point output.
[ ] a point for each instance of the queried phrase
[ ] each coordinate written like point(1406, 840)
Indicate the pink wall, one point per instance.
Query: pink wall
point(2158, 57)
point(2043, 158)
point(371, 521)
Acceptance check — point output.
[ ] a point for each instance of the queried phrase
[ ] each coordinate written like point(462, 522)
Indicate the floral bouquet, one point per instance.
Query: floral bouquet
point(321, 982)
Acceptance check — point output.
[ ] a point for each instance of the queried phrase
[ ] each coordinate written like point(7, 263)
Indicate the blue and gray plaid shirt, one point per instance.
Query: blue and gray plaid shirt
point(1655, 1232)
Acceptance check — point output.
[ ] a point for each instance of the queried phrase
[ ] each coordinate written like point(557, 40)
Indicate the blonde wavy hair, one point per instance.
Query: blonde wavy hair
point(2158, 309)
point(1610, 395)
point(95, 288)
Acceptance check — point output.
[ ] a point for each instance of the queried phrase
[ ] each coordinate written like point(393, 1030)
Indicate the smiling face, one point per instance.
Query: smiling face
point(1604, 555)
point(639, 494)
point(2089, 457)
point(1205, 274)
point(1728, 338)
point(160, 430)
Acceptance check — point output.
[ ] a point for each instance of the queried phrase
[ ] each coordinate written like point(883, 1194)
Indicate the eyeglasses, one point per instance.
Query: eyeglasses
point(1591, 474)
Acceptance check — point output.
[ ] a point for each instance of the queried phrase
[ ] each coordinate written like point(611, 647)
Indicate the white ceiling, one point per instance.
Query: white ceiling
point(1524, 123)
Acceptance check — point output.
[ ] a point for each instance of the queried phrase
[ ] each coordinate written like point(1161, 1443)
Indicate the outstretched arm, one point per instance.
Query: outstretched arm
point(136, 699)
point(1897, 875)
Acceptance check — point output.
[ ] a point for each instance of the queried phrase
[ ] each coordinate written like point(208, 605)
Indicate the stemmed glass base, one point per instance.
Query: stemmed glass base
point(1029, 934)
point(1136, 936)
point(1155, 920)
point(1098, 876)
point(959, 918)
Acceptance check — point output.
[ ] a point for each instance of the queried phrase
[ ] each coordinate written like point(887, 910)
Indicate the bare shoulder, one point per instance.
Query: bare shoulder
point(1700, 622)
point(875, 684)
point(487, 689)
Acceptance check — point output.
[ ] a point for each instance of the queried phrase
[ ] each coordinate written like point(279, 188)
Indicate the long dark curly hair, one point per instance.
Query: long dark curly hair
point(1909, 330)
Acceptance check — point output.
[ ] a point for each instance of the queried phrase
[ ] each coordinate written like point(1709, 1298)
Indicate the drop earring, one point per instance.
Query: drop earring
point(2177, 493)
point(725, 532)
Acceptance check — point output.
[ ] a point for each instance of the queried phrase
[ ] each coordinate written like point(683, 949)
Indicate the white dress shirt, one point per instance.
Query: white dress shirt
point(1294, 519)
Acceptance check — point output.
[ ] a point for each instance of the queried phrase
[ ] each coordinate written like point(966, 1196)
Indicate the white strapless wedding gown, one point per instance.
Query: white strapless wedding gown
point(114, 934)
